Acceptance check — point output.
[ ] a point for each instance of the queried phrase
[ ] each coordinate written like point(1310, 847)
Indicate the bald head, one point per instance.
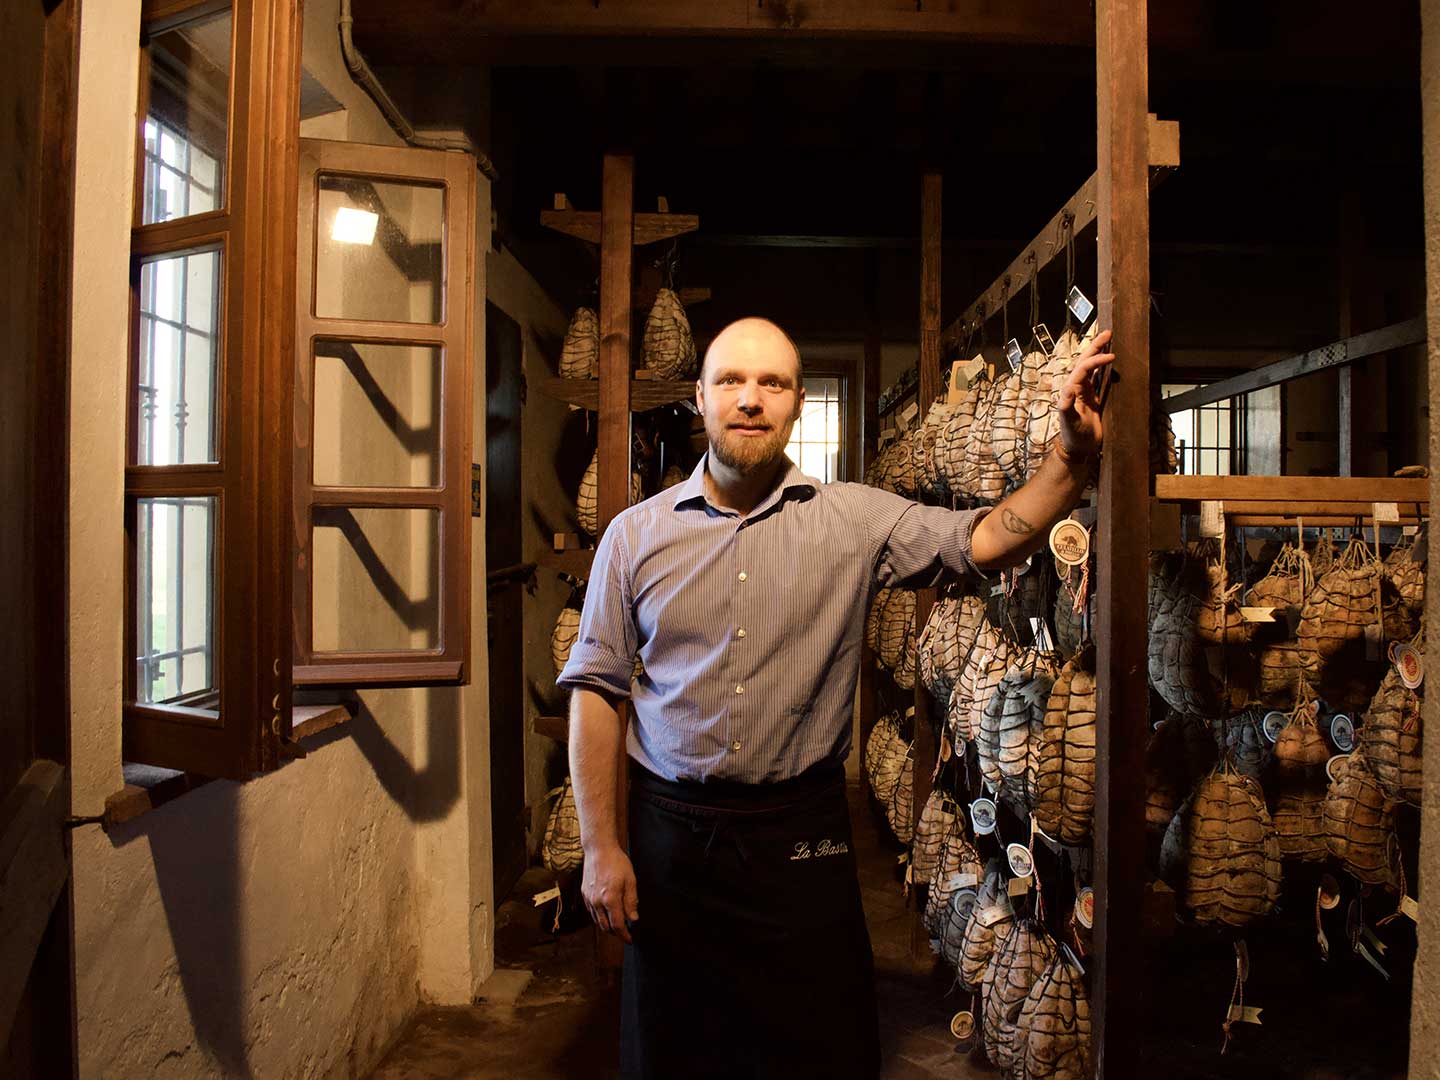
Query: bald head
point(752, 339)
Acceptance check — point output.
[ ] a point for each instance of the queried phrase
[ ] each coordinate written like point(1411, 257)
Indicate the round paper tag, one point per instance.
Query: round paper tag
point(1342, 732)
point(1085, 907)
point(1070, 542)
point(1329, 892)
point(1410, 666)
point(1273, 724)
point(1330, 765)
point(982, 816)
point(962, 1026)
point(1021, 864)
point(962, 902)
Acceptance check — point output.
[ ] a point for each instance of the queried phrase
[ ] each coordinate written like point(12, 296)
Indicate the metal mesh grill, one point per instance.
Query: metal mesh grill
point(580, 355)
point(667, 346)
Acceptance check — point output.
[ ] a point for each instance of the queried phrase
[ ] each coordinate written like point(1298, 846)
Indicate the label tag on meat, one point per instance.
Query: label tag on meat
point(1079, 305)
point(1212, 518)
point(1013, 354)
point(1043, 338)
point(1387, 513)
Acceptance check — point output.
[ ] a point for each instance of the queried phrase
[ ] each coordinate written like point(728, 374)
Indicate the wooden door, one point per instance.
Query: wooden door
point(503, 550)
point(36, 225)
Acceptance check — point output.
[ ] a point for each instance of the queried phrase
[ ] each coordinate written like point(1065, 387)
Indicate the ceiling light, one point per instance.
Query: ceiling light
point(354, 226)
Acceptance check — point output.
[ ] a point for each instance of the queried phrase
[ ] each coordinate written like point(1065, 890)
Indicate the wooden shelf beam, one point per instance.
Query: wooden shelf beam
point(1396, 336)
point(1162, 141)
point(575, 563)
point(649, 228)
point(1362, 491)
point(644, 393)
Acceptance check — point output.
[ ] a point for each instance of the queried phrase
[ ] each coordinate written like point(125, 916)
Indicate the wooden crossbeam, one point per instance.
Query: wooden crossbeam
point(1396, 336)
point(649, 228)
point(1163, 152)
point(1332, 491)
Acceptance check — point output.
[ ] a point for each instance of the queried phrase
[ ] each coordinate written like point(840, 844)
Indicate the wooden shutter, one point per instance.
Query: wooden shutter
point(383, 415)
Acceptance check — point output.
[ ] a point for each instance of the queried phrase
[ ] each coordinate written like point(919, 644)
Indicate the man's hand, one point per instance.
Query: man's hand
point(1081, 433)
point(609, 890)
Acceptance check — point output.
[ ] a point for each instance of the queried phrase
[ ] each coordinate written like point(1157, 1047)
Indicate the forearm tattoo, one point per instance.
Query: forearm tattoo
point(1014, 523)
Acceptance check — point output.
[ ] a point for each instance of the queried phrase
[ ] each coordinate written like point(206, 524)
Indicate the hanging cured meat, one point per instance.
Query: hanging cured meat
point(587, 500)
point(580, 355)
point(1065, 761)
point(990, 924)
point(1390, 739)
point(667, 346)
point(1359, 824)
point(560, 850)
point(1052, 1034)
point(1008, 741)
point(1020, 959)
point(888, 764)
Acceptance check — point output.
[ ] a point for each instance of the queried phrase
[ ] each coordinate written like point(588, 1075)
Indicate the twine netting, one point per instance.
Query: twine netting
point(667, 346)
point(894, 645)
point(1020, 959)
point(887, 762)
point(1052, 1033)
point(1406, 574)
point(1178, 669)
point(989, 480)
point(1009, 417)
point(1287, 670)
point(1299, 817)
point(1299, 746)
point(1243, 741)
point(560, 850)
point(587, 499)
point(1359, 823)
point(959, 867)
point(1041, 411)
point(952, 447)
point(1343, 602)
point(1180, 751)
point(894, 467)
point(1065, 768)
point(1217, 620)
point(939, 818)
point(562, 637)
point(987, 664)
point(944, 644)
point(1390, 739)
point(580, 355)
point(930, 477)
point(1223, 850)
point(990, 923)
point(1011, 723)
point(1286, 583)
point(958, 912)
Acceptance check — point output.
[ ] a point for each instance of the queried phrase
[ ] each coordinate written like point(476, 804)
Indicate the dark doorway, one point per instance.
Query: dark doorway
point(36, 228)
point(504, 629)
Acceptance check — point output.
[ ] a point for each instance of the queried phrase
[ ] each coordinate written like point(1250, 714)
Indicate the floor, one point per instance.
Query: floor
point(548, 1014)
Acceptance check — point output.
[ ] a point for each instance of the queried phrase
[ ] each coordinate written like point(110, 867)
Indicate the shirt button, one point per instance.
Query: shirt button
point(743, 575)
point(739, 689)
point(735, 746)
point(740, 632)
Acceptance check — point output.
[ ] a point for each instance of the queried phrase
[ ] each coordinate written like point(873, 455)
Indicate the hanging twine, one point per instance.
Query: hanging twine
point(1034, 289)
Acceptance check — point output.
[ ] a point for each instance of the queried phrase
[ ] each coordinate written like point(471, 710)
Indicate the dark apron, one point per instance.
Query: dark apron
point(751, 958)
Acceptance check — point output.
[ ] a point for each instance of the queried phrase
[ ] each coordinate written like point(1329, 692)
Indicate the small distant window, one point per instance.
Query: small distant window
point(1207, 438)
point(818, 436)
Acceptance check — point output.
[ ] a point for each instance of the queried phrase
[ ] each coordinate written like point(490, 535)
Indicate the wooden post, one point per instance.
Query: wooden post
point(617, 230)
point(926, 748)
point(1123, 213)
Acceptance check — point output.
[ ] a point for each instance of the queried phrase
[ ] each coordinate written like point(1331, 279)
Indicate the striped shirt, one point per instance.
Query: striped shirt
point(750, 627)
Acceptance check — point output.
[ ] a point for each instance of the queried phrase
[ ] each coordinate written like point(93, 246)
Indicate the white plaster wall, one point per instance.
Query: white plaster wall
point(287, 926)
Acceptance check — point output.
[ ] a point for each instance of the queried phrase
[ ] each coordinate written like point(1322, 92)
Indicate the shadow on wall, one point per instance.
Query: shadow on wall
point(195, 843)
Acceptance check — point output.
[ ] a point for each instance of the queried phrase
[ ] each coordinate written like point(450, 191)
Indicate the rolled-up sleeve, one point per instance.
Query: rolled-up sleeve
point(603, 656)
point(926, 542)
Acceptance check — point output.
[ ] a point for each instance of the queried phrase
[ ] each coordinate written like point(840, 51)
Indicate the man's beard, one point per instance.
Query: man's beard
point(747, 453)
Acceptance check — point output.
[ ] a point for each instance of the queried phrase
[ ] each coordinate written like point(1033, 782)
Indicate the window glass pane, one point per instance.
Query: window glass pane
point(175, 593)
point(187, 120)
point(376, 579)
point(177, 395)
point(815, 439)
point(379, 250)
point(377, 415)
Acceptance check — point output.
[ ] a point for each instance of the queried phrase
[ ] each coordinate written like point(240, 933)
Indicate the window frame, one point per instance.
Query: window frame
point(250, 479)
point(448, 663)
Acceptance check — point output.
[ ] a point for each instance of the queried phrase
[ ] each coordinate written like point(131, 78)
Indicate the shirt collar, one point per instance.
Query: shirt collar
point(694, 486)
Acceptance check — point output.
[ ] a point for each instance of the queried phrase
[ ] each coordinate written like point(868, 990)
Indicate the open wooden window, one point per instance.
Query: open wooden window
point(207, 687)
point(382, 415)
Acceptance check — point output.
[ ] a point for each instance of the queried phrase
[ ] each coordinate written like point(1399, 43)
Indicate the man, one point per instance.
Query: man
point(743, 591)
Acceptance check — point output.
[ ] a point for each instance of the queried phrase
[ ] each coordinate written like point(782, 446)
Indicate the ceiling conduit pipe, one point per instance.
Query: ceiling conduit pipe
point(365, 78)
